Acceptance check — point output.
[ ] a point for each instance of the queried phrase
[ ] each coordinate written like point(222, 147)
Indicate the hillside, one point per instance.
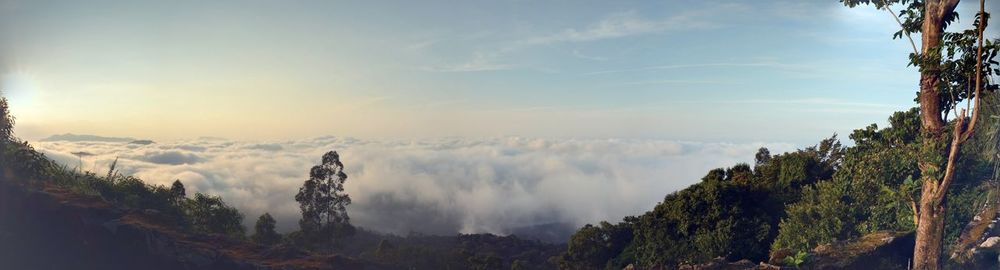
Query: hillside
point(48, 227)
point(52, 217)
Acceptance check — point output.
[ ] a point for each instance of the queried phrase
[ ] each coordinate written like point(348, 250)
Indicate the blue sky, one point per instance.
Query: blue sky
point(743, 71)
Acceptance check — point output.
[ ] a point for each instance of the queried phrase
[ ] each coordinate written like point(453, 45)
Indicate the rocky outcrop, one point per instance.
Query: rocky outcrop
point(880, 250)
point(53, 228)
point(722, 264)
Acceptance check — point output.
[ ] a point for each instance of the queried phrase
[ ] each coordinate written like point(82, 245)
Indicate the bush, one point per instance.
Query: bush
point(209, 214)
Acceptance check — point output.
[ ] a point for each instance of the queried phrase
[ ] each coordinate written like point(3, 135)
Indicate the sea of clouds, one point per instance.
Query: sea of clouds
point(431, 186)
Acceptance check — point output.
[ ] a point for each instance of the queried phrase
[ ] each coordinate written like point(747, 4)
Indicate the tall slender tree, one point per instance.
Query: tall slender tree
point(323, 201)
point(951, 66)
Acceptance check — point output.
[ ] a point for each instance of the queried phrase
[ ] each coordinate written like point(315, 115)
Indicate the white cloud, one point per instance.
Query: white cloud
point(616, 25)
point(706, 65)
point(480, 62)
point(621, 25)
point(440, 186)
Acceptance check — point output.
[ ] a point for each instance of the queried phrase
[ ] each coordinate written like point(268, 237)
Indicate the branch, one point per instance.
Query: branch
point(894, 16)
point(979, 73)
point(947, 6)
point(949, 171)
point(953, 103)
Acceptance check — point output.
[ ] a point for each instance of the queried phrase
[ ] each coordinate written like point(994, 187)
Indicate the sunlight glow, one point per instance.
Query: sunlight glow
point(20, 89)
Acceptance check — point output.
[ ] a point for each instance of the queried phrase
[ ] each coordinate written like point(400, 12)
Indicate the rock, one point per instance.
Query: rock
point(778, 256)
point(879, 250)
point(765, 266)
point(112, 225)
point(721, 264)
point(991, 242)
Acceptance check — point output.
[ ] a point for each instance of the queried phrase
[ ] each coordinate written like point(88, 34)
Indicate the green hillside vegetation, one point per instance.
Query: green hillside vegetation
point(795, 201)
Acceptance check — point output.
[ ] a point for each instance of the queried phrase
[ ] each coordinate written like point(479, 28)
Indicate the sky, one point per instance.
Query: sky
point(451, 116)
point(738, 71)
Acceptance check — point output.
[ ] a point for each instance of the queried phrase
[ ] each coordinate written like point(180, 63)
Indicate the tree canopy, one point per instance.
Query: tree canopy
point(323, 201)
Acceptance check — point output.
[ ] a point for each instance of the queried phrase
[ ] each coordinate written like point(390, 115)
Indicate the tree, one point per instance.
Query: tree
point(488, 261)
point(732, 213)
point(866, 193)
point(264, 232)
point(763, 156)
point(592, 247)
point(943, 77)
point(209, 214)
point(177, 192)
point(6, 130)
point(323, 201)
point(6, 122)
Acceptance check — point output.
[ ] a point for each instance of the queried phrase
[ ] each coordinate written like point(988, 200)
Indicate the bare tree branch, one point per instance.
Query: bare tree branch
point(979, 73)
point(894, 16)
point(949, 171)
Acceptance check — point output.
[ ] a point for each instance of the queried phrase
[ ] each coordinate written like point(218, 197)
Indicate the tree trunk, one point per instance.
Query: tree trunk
point(934, 151)
point(930, 230)
point(930, 103)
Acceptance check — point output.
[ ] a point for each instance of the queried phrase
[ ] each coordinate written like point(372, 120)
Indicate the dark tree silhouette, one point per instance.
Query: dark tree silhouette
point(6, 122)
point(264, 232)
point(323, 201)
point(6, 129)
point(177, 192)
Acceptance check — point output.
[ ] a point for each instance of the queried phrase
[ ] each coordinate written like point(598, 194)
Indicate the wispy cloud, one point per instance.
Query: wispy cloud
point(420, 45)
point(578, 54)
point(621, 25)
point(617, 25)
point(480, 62)
point(814, 101)
point(708, 65)
point(654, 82)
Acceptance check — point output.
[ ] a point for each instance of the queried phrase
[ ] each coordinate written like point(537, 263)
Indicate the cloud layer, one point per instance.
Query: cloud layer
point(441, 186)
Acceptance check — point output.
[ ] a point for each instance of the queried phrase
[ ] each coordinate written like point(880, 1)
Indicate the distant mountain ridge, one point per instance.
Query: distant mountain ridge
point(85, 138)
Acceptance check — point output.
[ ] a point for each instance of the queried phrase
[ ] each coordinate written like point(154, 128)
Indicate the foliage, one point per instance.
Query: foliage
point(209, 214)
point(203, 214)
point(485, 262)
point(323, 201)
point(955, 60)
point(732, 213)
point(796, 200)
point(593, 246)
point(264, 232)
point(466, 251)
point(875, 188)
point(796, 260)
point(865, 195)
point(6, 122)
